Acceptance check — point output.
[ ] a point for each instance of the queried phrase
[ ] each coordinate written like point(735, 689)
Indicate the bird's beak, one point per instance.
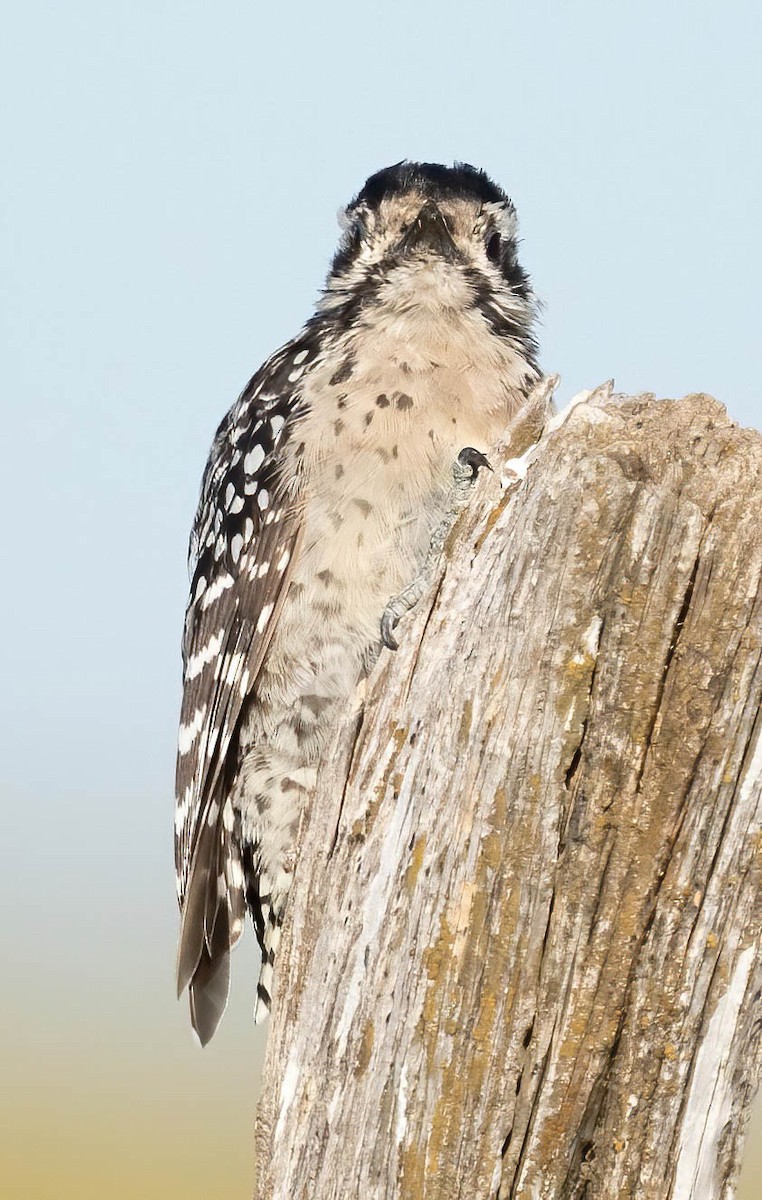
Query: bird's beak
point(429, 232)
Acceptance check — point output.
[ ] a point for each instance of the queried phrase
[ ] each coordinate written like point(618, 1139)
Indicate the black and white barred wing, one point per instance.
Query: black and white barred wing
point(244, 542)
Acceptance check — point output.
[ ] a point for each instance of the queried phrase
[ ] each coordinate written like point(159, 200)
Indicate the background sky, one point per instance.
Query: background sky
point(172, 173)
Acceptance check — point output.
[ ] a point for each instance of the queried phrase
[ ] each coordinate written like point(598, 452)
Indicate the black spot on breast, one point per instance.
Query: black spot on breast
point(316, 704)
point(341, 401)
point(403, 401)
point(322, 607)
point(364, 506)
point(338, 471)
point(382, 401)
point(325, 577)
point(368, 418)
point(343, 373)
point(337, 427)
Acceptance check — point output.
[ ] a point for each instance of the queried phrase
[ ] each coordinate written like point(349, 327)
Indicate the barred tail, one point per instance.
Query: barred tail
point(267, 904)
point(265, 985)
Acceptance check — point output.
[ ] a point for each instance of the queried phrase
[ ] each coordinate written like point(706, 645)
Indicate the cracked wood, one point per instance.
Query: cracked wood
point(522, 953)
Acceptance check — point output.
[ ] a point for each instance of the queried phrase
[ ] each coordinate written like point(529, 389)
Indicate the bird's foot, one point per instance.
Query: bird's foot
point(465, 471)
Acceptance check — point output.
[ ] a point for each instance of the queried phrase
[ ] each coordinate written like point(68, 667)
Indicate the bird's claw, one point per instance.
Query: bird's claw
point(388, 623)
point(474, 460)
point(465, 470)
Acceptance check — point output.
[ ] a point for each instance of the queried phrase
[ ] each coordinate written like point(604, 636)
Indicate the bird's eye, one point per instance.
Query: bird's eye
point(493, 248)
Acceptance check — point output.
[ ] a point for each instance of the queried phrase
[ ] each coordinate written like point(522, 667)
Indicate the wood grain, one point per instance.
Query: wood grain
point(522, 954)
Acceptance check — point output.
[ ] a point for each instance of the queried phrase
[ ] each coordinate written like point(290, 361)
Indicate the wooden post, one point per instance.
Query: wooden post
point(522, 956)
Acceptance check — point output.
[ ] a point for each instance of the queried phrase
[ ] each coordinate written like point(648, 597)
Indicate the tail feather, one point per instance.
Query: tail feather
point(212, 922)
point(223, 882)
point(215, 894)
point(194, 906)
point(209, 989)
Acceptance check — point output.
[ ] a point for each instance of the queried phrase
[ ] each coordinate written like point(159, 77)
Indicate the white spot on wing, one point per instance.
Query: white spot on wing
point(253, 460)
point(234, 666)
point(263, 499)
point(182, 808)
point(189, 732)
point(215, 591)
point(264, 617)
point(235, 872)
point(205, 655)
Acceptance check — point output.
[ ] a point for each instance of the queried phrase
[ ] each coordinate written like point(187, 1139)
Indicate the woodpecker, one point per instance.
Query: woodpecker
point(324, 484)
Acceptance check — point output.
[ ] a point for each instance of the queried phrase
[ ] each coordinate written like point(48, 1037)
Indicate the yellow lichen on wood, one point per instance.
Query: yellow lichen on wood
point(365, 1049)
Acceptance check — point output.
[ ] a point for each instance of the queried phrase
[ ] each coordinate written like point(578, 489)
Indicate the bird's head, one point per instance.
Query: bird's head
point(425, 235)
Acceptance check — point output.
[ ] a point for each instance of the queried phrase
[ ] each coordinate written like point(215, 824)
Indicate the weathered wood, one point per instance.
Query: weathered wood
point(522, 957)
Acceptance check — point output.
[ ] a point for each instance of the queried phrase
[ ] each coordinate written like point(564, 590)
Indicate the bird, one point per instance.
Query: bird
point(324, 483)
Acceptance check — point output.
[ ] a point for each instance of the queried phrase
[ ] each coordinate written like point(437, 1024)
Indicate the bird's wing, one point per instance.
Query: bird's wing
point(243, 545)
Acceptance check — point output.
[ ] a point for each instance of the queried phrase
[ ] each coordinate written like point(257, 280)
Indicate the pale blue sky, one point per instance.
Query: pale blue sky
point(172, 173)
